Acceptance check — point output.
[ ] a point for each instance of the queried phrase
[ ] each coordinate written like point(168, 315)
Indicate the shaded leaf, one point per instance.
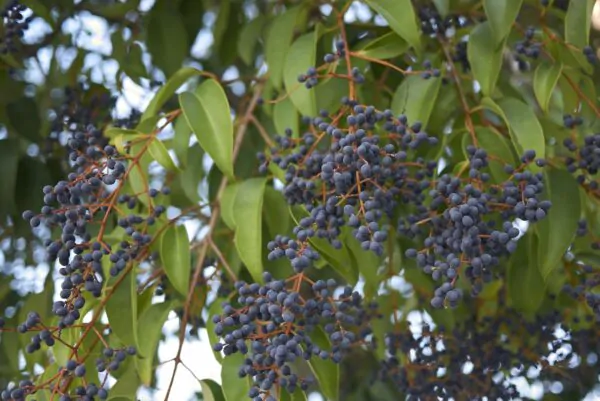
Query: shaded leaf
point(501, 15)
point(443, 6)
point(300, 57)
point(9, 162)
point(499, 148)
point(276, 212)
point(485, 57)
point(578, 21)
point(175, 256)
point(401, 16)
point(326, 372)
point(248, 208)
point(150, 323)
point(387, 46)
point(228, 203)
point(181, 140)
point(557, 230)
point(285, 116)
point(208, 115)
point(526, 287)
point(248, 39)
point(121, 309)
point(278, 41)
point(367, 264)
point(126, 386)
point(525, 129)
point(544, 81)
point(24, 117)
point(238, 388)
point(415, 98)
point(167, 38)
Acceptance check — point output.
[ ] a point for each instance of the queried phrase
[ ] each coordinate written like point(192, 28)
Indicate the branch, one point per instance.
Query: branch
point(215, 213)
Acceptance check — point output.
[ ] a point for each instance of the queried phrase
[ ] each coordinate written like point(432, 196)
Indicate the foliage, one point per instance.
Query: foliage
point(369, 200)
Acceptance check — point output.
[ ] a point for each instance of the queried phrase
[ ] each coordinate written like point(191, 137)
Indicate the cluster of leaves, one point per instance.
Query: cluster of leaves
point(415, 202)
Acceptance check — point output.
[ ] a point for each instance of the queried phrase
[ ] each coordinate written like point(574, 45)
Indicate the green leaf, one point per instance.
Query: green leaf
point(301, 56)
point(544, 81)
point(133, 65)
point(401, 16)
point(221, 24)
point(160, 153)
point(485, 57)
point(192, 12)
point(181, 140)
point(121, 308)
point(248, 39)
point(236, 389)
point(39, 9)
point(138, 180)
point(228, 203)
point(415, 98)
point(168, 90)
point(367, 263)
point(278, 41)
point(9, 162)
point(126, 386)
point(501, 15)
point(167, 38)
point(285, 116)
point(175, 256)
point(298, 395)
point(443, 7)
point(276, 212)
point(24, 117)
point(497, 146)
point(32, 176)
point(526, 287)
point(326, 372)
point(208, 115)
point(214, 309)
point(190, 178)
point(525, 129)
point(211, 391)
point(578, 21)
point(557, 230)
point(387, 46)
point(150, 324)
point(248, 208)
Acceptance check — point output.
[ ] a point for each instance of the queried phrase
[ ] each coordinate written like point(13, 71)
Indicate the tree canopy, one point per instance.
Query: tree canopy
point(350, 200)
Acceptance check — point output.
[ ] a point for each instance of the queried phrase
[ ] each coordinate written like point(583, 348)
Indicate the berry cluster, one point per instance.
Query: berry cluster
point(430, 71)
point(340, 52)
point(425, 362)
point(585, 162)
point(112, 359)
point(590, 55)
point(433, 24)
point(79, 113)
point(458, 228)
point(460, 56)
point(15, 25)
point(361, 178)
point(529, 47)
point(273, 323)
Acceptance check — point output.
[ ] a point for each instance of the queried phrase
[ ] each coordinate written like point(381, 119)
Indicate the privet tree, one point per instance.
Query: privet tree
point(368, 200)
